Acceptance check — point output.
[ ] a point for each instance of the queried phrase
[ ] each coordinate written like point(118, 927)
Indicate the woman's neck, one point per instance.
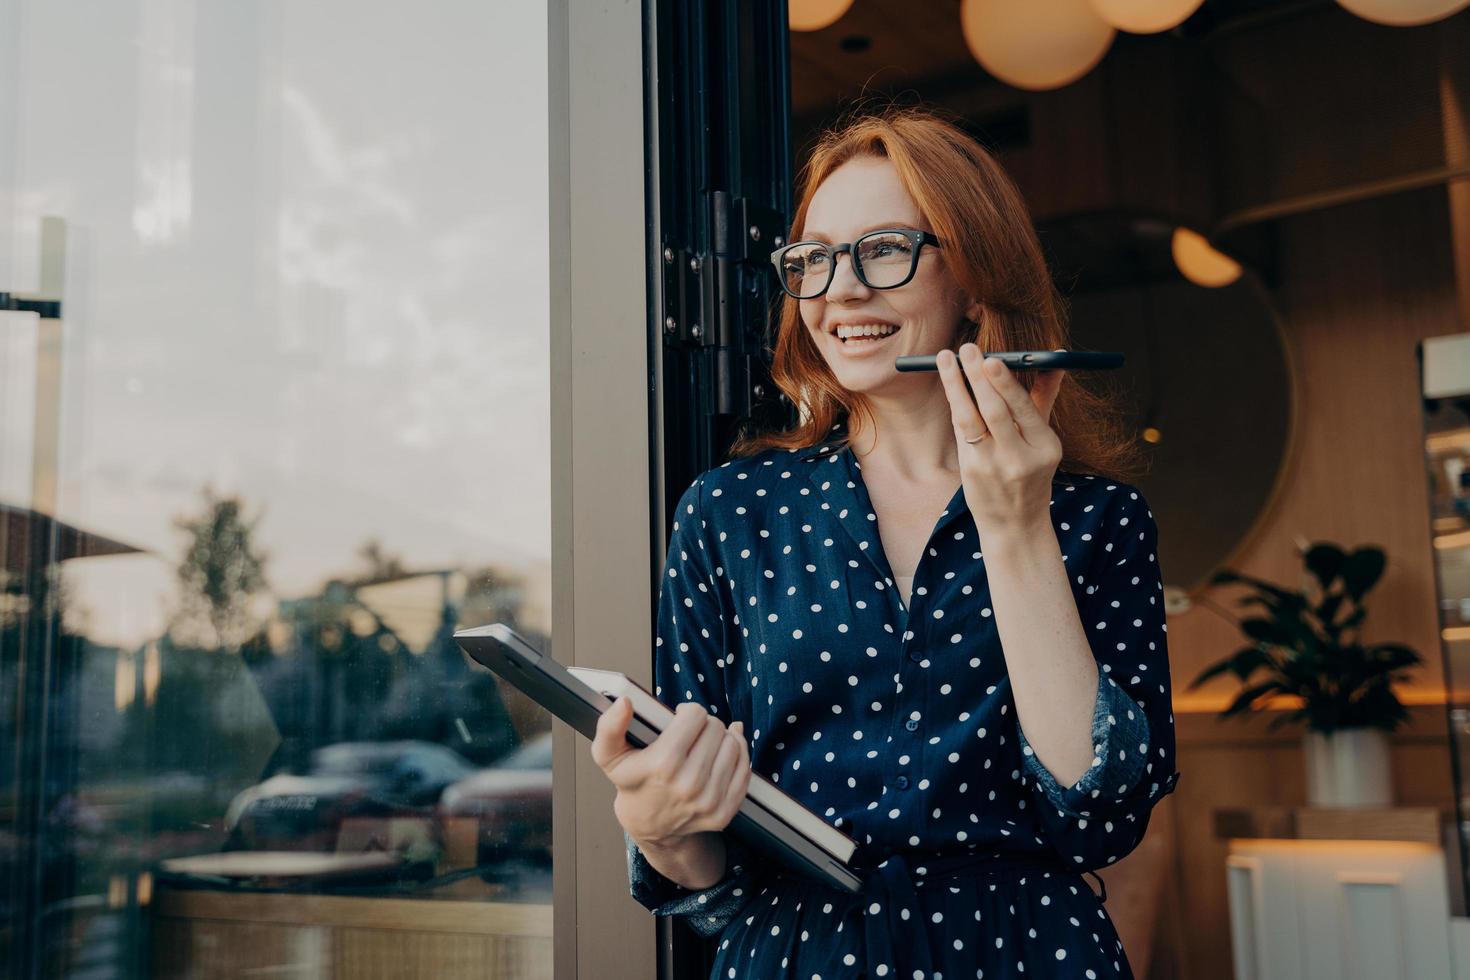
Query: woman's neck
point(911, 440)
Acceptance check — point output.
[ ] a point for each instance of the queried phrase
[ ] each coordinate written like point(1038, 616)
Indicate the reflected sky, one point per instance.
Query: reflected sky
point(306, 265)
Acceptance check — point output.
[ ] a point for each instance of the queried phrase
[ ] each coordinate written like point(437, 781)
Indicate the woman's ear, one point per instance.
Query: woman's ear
point(975, 312)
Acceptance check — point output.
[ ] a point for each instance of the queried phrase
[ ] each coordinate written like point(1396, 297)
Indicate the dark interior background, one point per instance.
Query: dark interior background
point(1328, 155)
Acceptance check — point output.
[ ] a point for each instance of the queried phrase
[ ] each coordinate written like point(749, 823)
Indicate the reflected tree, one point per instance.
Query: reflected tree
point(221, 573)
point(381, 566)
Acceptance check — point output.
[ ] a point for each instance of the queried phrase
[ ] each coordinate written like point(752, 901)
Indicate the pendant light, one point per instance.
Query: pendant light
point(1145, 16)
point(1035, 46)
point(1403, 13)
point(1200, 262)
point(813, 15)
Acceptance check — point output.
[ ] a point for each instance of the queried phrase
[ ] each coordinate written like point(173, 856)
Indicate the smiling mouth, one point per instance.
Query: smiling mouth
point(865, 340)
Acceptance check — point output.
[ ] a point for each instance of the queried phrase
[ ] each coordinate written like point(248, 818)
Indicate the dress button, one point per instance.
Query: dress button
point(902, 782)
point(912, 724)
point(916, 656)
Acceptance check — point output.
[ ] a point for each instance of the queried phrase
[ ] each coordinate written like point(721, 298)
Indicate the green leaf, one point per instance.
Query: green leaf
point(1242, 663)
point(1270, 631)
point(1394, 656)
point(1299, 644)
point(1286, 719)
point(1249, 660)
point(1325, 562)
point(1227, 576)
point(1362, 570)
point(1246, 698)
point(1327, 610)
point(1212, 671)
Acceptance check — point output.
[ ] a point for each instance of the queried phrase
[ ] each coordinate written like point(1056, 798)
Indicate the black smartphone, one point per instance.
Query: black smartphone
point(1029, 360)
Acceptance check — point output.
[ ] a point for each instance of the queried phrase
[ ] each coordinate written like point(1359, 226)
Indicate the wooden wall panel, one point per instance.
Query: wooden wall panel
point(1454, 86)
point(1360, 285)
point(1336, 101)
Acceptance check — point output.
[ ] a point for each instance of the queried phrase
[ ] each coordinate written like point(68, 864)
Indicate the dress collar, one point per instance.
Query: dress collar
point(835, 441)
point(815, 453)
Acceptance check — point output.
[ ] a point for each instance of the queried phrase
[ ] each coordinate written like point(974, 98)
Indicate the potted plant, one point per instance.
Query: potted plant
point(1310, 647)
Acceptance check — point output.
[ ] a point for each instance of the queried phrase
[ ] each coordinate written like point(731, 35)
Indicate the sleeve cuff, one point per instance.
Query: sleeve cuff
point(1120, 744)
point(707, 911)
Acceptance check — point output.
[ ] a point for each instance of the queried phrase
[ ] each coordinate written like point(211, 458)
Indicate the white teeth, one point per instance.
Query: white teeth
point(865, 330)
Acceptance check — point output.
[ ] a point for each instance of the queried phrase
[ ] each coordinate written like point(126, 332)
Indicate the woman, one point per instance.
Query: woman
point(943, 629)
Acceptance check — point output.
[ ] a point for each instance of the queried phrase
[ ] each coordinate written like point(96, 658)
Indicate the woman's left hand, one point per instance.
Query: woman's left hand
point(1006, 475)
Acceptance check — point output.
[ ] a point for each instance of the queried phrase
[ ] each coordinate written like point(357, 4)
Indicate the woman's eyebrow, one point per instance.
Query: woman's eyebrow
point(821, 237)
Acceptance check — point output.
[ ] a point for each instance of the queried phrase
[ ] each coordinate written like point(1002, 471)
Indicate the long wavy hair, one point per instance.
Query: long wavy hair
point(990, 247)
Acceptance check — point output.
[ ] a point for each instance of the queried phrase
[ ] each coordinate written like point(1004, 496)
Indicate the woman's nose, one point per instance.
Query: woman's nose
point(845, 283)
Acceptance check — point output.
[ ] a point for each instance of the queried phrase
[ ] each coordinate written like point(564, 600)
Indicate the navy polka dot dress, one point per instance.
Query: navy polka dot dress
point(897, 725)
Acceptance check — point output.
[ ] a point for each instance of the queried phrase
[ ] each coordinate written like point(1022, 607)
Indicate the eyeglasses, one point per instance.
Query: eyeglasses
point(884, 259)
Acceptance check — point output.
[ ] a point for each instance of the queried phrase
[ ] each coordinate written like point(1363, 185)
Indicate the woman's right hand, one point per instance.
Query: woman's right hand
point(692, 779)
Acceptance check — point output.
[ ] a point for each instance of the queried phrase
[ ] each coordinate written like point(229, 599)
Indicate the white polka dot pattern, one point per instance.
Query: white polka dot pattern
point(897, 725)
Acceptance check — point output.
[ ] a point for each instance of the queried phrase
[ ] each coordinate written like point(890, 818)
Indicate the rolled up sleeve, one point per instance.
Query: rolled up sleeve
point(1102, 816)
point(706, 910)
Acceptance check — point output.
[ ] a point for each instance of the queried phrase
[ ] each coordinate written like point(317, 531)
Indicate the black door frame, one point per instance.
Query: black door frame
point(717, 109)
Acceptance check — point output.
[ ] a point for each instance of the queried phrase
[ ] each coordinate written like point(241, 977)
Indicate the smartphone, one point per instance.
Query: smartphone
point(1031, 360)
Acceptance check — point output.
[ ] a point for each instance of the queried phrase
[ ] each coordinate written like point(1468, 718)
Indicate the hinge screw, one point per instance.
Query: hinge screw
point(755, 233)
point(694, 265)
point(759, 391)
point(780, 240)
point(669, 325)
point(668, 254)
point(696, 331)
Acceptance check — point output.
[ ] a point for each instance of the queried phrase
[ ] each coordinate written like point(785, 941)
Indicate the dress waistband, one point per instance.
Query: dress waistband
point(927, 866)
point(890, 901)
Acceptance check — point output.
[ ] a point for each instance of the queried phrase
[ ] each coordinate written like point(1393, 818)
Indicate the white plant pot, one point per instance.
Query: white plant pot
point(1349, 768)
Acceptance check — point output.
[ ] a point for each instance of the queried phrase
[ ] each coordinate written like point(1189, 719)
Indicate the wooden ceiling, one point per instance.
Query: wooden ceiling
point(885, 47)
point(878, 45)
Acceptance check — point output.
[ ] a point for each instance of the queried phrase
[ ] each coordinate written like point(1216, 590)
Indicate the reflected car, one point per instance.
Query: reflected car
point(345, 781)
point(511, 803)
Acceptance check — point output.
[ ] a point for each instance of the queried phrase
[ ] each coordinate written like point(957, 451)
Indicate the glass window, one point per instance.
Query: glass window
point(274, 421)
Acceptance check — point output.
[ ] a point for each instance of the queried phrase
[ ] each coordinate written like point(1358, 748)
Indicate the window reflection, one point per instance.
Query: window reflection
point(284, 430)
point(334, 743)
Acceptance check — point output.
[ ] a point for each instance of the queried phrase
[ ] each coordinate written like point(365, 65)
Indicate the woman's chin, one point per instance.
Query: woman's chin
point(869, 375)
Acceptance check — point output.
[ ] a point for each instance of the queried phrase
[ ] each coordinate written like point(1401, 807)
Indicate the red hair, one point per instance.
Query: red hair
point(990, 247)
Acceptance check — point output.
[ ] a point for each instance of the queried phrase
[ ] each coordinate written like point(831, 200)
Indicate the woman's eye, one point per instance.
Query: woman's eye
point(887, 248)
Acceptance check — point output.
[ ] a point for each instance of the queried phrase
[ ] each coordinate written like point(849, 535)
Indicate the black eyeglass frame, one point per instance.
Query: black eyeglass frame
point(918, 238)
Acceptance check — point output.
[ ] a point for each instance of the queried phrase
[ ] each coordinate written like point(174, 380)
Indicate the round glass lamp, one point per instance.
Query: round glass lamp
point(1403, 13)
point(1035, 46)
point(1200, 262)
point(813, 15)
point(1145, 16)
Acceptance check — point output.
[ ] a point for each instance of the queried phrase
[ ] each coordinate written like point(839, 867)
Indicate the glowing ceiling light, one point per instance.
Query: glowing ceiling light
point(1200, 262)
point(1403, 13)
point(1035, 46)
point(813, 15)
point(1145, 16)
